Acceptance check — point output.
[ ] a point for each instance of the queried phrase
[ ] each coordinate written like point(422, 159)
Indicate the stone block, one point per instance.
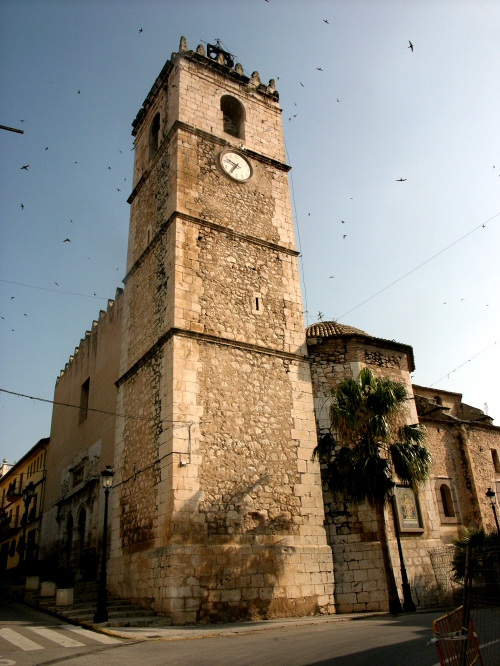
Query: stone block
point(48, 589)
point(64, 597)
point(32, 583)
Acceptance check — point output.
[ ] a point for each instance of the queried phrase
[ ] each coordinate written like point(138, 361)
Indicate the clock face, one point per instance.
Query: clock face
point(236, 166)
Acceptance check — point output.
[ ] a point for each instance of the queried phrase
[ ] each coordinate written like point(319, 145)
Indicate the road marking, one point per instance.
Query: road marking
point(481, 647)
point(22, 642)
point(52, 635)
point(100, 638)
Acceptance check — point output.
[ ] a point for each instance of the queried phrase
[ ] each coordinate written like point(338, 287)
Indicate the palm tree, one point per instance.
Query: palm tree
point(368, 444)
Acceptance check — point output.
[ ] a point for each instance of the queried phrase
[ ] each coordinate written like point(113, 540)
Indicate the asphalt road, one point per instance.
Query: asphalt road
point(391, 641)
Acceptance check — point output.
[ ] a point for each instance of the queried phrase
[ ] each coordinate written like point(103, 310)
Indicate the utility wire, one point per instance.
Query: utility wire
point(298, 235)
point(419, 266)
point(56, 291)
point(465, 363)
point(93, 409)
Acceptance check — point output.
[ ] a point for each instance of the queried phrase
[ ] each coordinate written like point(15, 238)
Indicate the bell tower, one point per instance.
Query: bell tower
point(217, 506)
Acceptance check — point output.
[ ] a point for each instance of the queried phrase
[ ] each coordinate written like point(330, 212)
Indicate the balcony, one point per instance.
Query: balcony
point(14, 491)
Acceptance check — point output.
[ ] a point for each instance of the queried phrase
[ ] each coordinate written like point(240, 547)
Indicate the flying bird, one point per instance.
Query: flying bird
point(140, 29)
point(12, 298)
point(78, 92)
point(47, 148)
point(120, 151)
point(295, 115)
point(71, 221)
point(296, 105)
point(25, 315)
point(319, 69)
point(331, 276)
point(22, 121)
point(76, 162)
point(118, 189)
point(344, 236)
point(401, 180)
point(22, 206)
point(411, 46)
point(444, 303)
point(109, 168)
point(67, 240)
point(338, 99)
point(56, 284)
point(325, 21)
point(25, 167)
point(343, 221)
point(462, 299)
point(302, 84)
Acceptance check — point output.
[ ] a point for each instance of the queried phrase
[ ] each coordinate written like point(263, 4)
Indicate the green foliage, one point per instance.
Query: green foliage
point(485, 553)
point(369, 440)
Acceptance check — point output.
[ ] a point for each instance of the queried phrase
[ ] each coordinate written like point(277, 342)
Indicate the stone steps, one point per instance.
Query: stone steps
point(121, 612)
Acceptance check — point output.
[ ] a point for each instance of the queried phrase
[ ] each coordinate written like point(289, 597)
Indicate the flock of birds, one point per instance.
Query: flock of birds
point(25, 167)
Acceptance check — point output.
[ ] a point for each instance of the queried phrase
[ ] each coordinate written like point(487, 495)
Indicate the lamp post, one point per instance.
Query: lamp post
point(490, 494)
point(408, 605)
point(28, 494)
point(101, 614)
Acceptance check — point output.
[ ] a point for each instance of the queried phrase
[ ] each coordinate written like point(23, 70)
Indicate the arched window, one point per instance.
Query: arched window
point(154, 136)
point(69, 538)
point(233, 113)
point(447, 500)
point(438, 400)
point(82, 526)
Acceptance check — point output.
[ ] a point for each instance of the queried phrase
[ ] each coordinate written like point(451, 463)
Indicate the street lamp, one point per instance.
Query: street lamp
point(101, 614)
point(408, 605)
point(490, 494)
point(28, 494)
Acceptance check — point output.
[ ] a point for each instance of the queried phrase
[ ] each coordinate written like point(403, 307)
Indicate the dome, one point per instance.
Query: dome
point(330, 329)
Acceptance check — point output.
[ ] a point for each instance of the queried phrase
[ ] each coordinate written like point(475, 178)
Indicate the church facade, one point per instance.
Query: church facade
point(218, 510)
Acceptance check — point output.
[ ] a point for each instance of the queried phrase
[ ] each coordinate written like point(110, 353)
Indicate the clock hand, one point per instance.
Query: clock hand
point(236, 166)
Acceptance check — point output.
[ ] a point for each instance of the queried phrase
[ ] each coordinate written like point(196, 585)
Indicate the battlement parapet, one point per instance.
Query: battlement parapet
point(216, 59)
point(104, 316)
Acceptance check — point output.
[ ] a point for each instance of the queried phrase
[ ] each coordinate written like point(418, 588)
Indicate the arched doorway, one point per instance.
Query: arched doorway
point(69, 539)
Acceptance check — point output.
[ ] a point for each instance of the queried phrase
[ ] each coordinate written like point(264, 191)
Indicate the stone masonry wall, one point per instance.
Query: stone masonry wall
point(352, 530)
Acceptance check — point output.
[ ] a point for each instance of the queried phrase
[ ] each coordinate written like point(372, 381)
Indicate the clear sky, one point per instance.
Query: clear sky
point(77, 73)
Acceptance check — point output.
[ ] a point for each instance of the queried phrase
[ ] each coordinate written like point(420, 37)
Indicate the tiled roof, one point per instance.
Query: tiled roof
point(329, 329)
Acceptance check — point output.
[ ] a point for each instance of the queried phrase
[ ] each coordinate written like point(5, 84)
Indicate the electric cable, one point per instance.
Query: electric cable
point(56, 291)
point(419, 266)
point(465, 363)
point(93, 409)
point(298, 236)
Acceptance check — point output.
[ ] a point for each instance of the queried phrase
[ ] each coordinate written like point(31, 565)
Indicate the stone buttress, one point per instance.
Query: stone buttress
point(217, 506)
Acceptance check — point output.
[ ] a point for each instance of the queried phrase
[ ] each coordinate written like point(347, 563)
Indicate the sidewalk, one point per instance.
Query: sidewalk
point(190, 632)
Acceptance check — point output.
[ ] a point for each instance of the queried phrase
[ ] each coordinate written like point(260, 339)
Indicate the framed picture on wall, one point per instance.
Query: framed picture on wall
point(408, 510)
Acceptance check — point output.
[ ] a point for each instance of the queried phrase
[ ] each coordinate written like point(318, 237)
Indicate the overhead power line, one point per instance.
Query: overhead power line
point(56, 291)
point(93, 409)
point(419, 266)
point(298, 235)
point(465, 362)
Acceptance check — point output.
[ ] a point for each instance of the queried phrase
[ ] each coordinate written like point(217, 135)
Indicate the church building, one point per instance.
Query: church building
point(203, 390)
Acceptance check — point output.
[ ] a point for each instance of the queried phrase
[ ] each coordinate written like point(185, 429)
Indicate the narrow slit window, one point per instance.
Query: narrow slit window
point(496, 460)
point(257, 304)
point(84, 400)
point(154, 136)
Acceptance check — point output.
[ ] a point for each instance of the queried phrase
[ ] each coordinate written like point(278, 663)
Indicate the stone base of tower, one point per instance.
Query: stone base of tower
point(223, 580)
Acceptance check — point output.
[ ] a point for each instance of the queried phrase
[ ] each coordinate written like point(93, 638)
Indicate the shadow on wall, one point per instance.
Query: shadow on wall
point(221, 576)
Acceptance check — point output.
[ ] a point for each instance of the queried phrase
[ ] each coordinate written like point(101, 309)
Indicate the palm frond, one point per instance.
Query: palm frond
point(411, 462)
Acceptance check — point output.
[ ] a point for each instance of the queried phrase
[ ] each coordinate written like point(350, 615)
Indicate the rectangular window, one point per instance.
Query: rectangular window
point(84, 401)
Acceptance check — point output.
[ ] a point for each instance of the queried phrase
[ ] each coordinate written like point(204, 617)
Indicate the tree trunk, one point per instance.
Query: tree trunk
point(392, 590)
